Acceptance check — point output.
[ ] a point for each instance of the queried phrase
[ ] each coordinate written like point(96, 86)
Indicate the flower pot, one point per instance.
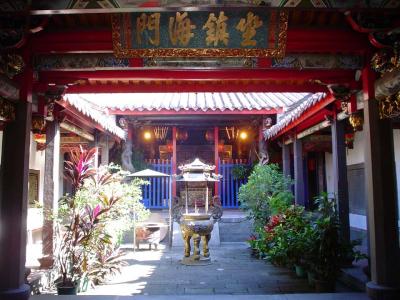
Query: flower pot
point(324, 286)
point(300, 272)
point(311, 278)
point(66, 290)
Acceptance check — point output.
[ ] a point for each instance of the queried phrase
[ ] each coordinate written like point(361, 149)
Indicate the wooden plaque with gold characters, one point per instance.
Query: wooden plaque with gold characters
point(243, 33)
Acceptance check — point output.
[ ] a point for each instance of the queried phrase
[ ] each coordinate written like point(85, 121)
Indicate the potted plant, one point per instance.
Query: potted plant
point(92, 220)
point(324, 252)
point(71, 234)
point(252, 241)
point(287, 238)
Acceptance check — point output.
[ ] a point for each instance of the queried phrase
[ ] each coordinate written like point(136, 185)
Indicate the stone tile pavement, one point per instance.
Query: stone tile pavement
point(336, 296)
point(232, 272)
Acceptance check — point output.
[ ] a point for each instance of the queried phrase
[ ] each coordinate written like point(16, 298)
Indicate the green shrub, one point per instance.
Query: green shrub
point(286, 236)
point(265, 193)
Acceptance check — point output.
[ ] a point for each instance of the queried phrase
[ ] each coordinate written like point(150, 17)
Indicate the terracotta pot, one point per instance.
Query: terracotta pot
point(323, 286)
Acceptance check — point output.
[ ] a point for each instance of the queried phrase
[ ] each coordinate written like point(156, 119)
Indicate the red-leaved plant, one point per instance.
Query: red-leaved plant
point(82, 233)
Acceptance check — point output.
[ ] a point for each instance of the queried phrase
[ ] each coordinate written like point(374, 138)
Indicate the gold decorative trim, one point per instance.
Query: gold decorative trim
point(7, 111)
point(278, 52)
point(390, 106)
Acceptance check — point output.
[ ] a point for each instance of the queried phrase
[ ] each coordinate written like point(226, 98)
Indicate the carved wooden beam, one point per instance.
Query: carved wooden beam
point(8, 89)
point(388, 85)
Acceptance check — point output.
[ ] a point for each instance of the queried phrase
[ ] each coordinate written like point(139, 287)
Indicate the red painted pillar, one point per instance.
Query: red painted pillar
point(14, 195)
point(380, 184)
point(174, 160)
point(216, 155)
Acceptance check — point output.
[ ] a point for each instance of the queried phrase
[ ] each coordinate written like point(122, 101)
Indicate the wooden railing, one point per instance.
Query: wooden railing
point(156, 194)
point(229, 186)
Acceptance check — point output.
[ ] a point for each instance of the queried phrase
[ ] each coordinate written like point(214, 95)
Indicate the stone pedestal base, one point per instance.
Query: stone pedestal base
point(22, 293)
point(381, 292)
point(190, 261)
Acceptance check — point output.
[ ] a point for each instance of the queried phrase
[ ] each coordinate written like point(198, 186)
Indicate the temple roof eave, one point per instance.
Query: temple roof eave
point(292, 115)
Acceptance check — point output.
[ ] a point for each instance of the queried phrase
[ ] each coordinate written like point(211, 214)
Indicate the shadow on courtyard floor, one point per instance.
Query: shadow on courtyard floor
point(233, 271)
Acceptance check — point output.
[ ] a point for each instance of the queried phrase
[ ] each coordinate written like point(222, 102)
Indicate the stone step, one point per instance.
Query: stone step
point(234, 229)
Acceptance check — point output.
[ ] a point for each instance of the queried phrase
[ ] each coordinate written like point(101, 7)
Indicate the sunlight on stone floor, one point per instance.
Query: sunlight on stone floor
point(233, 271)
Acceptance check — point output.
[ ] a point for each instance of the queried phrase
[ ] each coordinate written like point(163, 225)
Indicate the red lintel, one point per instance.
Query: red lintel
point(195, 86)
point(299, 40)
point(208, 76)
point(156, 112)
point(313, 120)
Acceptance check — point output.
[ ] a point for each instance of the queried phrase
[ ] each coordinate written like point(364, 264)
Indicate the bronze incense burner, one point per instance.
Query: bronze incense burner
point(196, 210)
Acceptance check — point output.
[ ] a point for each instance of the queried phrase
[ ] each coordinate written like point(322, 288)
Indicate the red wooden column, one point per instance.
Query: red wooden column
point(380, 184)
point(174, 160)
point(14, 195)
point(216, 156)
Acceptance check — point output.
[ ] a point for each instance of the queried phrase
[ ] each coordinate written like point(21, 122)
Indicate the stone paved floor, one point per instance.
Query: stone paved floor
point(233, 271)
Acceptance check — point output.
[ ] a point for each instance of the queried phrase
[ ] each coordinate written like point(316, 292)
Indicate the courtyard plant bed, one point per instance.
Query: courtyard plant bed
point(90, 222)
point(287, 235)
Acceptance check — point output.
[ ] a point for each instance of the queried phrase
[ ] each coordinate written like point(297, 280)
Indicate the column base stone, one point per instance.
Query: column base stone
point(382, 292)
point(21, 293)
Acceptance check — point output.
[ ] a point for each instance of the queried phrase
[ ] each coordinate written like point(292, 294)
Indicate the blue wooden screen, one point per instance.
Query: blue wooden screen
point(156, 194)
point(228, 186)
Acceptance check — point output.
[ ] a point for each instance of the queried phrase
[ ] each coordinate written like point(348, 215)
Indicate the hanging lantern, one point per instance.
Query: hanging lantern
point(182, 134)
point(39, 138)
point(356, 121)
point(160, 132)
point(232, 133)
point(38, 124)
point(210, 135)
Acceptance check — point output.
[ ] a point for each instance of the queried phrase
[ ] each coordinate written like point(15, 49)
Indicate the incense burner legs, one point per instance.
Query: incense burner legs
point(199, 231)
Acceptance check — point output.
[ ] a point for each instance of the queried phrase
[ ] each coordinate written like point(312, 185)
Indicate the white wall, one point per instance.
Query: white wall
point(36, 162)
point(356, 155)
point(396, 138)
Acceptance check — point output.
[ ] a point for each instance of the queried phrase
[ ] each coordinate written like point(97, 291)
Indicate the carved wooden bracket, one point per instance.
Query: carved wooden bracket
point(7, 112)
